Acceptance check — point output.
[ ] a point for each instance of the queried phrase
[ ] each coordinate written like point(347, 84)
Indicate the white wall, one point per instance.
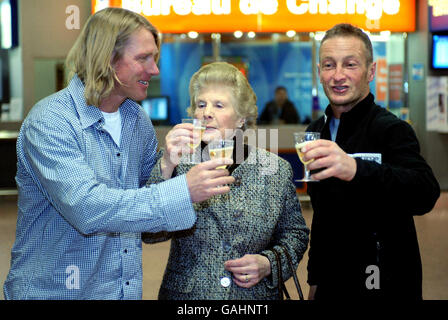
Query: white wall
point(44, 35)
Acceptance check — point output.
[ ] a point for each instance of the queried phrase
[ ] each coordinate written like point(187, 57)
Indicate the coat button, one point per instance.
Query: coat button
point(237, 214)
point(226, 246)
point(225, 282)
point(237, 182)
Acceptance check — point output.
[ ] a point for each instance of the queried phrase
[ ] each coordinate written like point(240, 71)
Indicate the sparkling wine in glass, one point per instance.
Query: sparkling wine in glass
point(300, 140)
point(198, 130)
point(220, 149)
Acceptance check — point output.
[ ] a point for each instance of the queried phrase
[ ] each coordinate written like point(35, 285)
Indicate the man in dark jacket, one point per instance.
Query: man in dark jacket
point(373, 180)
point(280, 110)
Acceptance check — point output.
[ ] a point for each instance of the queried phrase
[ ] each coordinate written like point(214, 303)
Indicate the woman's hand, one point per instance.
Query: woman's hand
point(176, 144)
point(249, 270)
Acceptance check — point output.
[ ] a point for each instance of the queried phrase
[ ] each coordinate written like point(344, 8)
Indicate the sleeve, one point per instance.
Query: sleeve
point(313, 263)
point(403, 180)
point(291, 231)
point(156, 172)
point(59, 168)
point(154, 178)
point(150, 157)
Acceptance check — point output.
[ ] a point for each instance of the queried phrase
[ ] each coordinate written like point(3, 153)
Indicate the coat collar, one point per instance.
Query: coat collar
point(357, 112)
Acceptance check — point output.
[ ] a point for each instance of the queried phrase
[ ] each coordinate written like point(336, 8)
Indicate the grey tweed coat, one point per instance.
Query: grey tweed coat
point(260, 211)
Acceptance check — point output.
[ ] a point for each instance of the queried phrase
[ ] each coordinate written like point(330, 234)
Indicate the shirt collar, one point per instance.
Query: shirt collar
point(89, 114)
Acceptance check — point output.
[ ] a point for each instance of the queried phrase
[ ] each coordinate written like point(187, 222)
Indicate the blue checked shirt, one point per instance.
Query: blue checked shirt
point(82, 201)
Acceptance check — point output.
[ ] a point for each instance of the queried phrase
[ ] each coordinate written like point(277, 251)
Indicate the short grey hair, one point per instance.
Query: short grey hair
point(348, 30)
point(225, 74)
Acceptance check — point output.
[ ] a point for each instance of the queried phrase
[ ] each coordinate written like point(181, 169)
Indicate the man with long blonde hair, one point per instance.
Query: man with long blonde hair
point(84, 155)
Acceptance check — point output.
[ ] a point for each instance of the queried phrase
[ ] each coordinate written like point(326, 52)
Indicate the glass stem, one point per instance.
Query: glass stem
point(306, 175)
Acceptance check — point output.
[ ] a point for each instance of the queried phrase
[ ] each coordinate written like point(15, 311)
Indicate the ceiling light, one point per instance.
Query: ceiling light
point(193, 34)
point(238, 34)
point(319, 35)
point(290, 33)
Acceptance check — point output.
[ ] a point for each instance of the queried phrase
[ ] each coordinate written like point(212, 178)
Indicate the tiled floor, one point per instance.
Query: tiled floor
point(431, 228)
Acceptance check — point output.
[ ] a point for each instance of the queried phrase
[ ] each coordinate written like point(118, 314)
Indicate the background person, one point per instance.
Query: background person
point(280, 110)
point(225, 256)
point(84, 155)
point(373, 180)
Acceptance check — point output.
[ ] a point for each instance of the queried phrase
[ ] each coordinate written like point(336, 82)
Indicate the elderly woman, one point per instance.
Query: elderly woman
point(226, 254)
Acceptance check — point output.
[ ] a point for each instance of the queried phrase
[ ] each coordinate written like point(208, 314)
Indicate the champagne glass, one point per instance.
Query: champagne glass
point(300, 140)
point(220, 149)
point(198, 129)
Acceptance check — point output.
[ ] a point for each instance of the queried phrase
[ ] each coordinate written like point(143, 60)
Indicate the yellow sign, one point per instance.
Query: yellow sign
point(179, 16)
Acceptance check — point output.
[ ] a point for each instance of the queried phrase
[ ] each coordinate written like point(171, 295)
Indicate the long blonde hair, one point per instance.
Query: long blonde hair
point(99, 45)
point(225, 74)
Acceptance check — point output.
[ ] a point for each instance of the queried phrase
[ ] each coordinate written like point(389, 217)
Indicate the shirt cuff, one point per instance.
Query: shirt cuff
point(176, 201)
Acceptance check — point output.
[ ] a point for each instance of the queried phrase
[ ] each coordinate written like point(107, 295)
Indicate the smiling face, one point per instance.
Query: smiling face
point(215, 105)
point(344, 72)
point(135, 68)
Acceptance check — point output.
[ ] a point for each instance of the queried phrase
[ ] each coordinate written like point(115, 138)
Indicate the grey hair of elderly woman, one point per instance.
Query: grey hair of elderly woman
point(225, 74)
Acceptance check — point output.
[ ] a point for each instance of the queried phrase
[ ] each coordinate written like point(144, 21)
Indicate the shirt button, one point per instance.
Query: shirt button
point(225, 282)
point(127, 283)
point(125, 250)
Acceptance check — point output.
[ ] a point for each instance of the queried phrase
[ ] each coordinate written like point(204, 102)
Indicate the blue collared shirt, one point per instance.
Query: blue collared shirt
point(82, 201)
